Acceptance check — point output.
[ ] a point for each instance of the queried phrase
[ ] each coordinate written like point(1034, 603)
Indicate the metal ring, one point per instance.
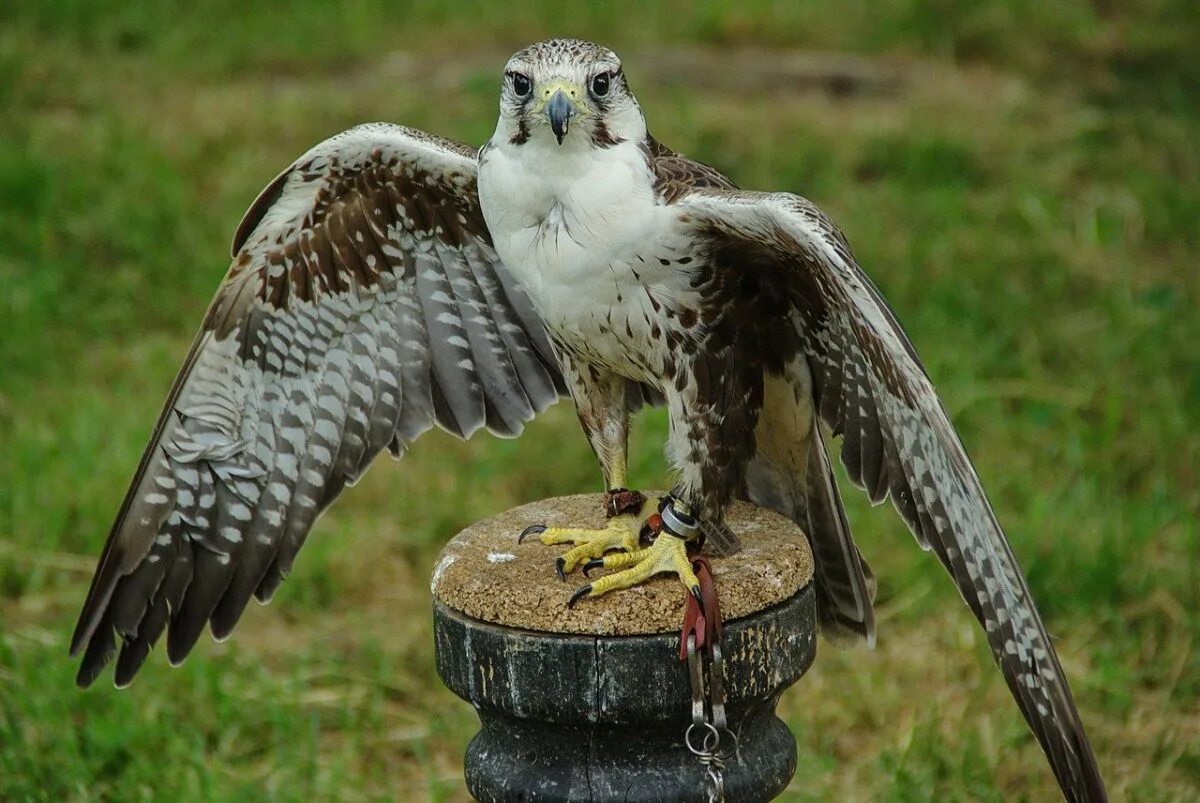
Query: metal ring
point(737, 744)
point(710, 732)
point(677, 524)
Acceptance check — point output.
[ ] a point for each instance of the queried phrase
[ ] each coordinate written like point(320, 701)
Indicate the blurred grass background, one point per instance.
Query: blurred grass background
point(1022, 179)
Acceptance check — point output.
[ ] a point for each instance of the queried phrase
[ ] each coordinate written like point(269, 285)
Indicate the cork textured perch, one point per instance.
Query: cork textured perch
point(592, 703)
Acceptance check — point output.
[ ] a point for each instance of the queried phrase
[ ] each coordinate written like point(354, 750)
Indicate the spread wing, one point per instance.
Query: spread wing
point(776, 262)
point(364, 305)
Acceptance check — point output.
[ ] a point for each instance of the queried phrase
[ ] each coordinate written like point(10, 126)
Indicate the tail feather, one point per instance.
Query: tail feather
point(845, 585)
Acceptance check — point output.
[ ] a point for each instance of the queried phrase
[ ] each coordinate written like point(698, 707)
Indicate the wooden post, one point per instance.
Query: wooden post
point(592, 703)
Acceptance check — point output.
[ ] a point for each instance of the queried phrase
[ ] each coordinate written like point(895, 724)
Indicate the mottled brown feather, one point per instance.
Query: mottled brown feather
point(318, 350)
point(774, 262)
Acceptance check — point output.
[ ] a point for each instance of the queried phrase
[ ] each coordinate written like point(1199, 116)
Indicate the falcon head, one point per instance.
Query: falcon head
point(570, 93)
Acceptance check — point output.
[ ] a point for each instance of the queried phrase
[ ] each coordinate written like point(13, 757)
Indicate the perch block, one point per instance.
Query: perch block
point(592, 703)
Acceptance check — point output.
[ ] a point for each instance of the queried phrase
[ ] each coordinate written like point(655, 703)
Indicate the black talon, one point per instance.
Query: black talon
point(699, 600)
point(578, 595)
point(594, 563)
point(559, 565)
point(532, 529)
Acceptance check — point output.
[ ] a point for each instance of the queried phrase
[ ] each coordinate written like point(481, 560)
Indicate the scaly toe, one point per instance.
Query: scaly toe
point(667, 555)
point(621, 533)
point(613, 560)
point(599, 549)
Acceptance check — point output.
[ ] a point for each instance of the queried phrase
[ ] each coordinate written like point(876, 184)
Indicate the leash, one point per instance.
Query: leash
point(708, 737)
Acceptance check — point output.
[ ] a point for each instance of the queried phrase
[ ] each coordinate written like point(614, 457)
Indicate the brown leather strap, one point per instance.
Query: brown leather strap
point(701, 618)
point(618, 501)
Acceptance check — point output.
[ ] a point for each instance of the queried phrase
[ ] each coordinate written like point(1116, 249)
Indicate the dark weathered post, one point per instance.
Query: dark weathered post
point(592, 703)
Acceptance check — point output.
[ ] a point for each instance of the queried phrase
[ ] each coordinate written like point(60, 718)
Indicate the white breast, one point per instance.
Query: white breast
point(580, 228)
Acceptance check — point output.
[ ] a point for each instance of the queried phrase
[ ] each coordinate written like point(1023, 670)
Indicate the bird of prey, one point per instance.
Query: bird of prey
point(389, 281)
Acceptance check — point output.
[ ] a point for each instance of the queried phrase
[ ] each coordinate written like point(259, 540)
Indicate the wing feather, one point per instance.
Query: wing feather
point(365, 304)
point(458, 395)
point(508, 407)
point(538, 382)
point(870, 386)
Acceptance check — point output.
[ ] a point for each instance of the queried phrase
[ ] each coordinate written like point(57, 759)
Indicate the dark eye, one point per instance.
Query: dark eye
point(521, 84)
point(600, 84)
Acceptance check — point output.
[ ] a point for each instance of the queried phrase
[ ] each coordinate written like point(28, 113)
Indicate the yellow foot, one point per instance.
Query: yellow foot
point(667, 555)
point(622, 532)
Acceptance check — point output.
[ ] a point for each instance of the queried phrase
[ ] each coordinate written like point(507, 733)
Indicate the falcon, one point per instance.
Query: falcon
point(389, 281)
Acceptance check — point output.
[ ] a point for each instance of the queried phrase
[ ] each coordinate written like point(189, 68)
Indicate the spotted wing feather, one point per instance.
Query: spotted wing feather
point(365, 304)
point(870, 387)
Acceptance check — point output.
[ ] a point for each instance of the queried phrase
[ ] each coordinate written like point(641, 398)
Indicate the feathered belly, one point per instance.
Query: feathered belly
point(616, 330)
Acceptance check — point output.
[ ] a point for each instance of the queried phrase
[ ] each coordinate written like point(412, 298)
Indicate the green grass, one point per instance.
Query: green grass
point(1027, 195)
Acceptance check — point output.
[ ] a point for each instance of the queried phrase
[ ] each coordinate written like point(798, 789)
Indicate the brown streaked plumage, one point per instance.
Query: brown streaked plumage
point(373, 310)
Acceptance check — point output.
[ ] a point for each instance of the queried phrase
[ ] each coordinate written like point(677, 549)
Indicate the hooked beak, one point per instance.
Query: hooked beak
point(559, 110)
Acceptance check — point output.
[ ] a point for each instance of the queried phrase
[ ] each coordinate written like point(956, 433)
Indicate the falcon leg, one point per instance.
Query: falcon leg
point(600, 402)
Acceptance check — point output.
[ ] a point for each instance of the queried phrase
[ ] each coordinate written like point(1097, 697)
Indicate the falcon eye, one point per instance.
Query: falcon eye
point(521, 84)
point(600, 84)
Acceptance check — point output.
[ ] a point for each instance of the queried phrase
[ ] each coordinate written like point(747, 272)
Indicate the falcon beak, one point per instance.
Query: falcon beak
point(559, 109)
